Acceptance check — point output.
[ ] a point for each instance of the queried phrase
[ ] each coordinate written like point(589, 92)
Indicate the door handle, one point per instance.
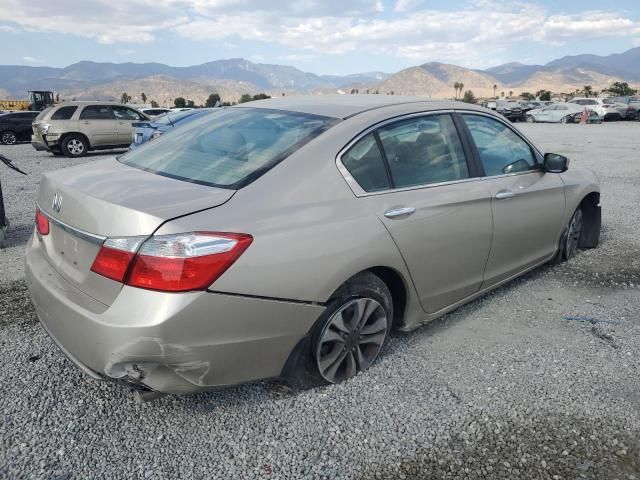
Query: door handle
point(399, 212)
point(86, 122)
point(503, 194)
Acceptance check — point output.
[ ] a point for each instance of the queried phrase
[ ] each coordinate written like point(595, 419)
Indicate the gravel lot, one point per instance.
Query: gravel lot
point(504, 387)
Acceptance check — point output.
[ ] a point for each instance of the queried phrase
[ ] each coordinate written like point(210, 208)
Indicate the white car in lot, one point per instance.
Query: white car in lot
point(608, 111)
point(559, 113)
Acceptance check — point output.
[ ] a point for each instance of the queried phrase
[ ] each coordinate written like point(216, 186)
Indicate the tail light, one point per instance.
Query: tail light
point(42, 223)
point(172, 263)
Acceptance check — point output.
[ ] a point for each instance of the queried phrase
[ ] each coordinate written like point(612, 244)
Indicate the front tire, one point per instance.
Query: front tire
point(74, 146)
point(351, 332)
point(8, 137)
point(531, 119)
point(574, 235)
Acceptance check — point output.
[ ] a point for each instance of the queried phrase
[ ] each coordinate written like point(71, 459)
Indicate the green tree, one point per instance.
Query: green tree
point(587, 90)
point(246, 97)
point(528, 96)
point(190, 103)
point(622, 89)
point(469, 97)
point(544, 95)
point(180, 102)
point(124, 98)
point(510, 93)
point(143, 97)
point(495, 87)
point(154, 104)
point(456, 87)
point(212, 100)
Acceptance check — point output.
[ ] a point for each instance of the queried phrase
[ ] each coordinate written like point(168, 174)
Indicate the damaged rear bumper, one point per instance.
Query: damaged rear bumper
point(167, 342)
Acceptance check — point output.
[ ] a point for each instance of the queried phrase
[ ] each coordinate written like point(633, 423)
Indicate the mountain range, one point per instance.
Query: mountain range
point(233, 77)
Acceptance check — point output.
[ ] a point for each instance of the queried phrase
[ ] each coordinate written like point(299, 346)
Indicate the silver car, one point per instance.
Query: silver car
point(286, 237)
point(559, 113)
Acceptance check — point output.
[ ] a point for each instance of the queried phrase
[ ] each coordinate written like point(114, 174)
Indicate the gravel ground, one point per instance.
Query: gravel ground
point(504, 387)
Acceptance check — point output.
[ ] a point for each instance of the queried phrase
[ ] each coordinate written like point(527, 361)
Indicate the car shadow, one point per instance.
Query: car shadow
point(18, 235)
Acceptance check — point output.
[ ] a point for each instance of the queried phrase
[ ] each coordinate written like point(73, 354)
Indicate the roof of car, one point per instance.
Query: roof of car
point(345, 106)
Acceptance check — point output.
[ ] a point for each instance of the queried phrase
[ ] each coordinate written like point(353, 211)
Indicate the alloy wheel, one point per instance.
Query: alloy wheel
point(573, 234)
point(75, 147)
point(351, 339)
point(9, 138)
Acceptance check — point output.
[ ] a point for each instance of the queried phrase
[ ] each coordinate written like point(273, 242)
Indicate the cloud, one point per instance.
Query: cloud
point(29, 59)
point(8, 29)
point(405, 5)
point(475, 33)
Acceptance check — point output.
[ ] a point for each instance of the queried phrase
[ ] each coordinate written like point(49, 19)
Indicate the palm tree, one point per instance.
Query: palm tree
point(588, 90)
point(502, 94)
point(456, 86)
point(495, 87)
point(510, 93)
point(461, 86)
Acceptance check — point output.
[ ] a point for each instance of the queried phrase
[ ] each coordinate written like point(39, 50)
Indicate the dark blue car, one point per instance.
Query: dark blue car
point(145, 131)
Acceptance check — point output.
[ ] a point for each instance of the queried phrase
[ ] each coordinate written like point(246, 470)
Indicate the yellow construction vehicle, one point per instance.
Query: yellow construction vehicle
point(38, 100)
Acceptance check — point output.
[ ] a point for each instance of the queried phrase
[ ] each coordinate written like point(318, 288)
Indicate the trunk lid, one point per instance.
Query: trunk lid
point(108, 199)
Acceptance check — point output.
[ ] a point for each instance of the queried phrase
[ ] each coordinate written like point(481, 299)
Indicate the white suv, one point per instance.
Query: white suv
point(608, 111)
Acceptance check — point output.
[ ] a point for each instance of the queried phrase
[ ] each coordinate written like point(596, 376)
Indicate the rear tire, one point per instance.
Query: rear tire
point(566, 119)
point(74, 146)
point(8, 137)
point(349, 335)
point(531, 119)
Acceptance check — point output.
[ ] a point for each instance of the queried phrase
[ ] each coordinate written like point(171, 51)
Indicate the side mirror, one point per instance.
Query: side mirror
point(554, 163)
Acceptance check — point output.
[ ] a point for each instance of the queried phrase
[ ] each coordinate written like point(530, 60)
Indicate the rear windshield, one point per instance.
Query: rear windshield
point(229, 149)
point(43, 113)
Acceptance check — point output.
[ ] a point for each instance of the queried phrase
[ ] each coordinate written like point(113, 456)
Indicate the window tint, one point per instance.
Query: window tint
point(124, 113)
point(501, 149)
point(230, 149)
point(63, 113)
point(366, 165)
point(96, 112)
point(424, 150)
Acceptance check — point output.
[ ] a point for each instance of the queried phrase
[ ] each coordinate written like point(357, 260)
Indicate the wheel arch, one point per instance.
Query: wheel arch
point(397, 285)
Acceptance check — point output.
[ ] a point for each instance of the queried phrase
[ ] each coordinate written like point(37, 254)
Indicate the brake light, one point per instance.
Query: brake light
point(172, 263)
point(114, 257)
point(42, 223)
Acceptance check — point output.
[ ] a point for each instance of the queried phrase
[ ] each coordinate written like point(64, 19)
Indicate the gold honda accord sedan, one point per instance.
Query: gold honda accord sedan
point(286, 237)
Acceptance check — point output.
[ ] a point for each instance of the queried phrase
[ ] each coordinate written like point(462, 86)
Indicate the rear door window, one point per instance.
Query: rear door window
point(229, 149)
point(64, 113)
point(501, 150)
point(423, 151)
point(365, 163)
point(96, 112)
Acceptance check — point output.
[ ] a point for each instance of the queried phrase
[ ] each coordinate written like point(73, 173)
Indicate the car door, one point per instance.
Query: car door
point(125, 117)
point(98, 124)
point(527, 203)
point(415, 178)
point(559, 113)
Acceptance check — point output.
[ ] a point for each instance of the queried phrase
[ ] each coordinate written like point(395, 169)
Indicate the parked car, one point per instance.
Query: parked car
point(285, 237)
point(608, 111)
point(16, 127)
point(629, 106)
point(154, 112)
point(560, 113)
point(74, 128)
point(152, 129)
point(511, 110)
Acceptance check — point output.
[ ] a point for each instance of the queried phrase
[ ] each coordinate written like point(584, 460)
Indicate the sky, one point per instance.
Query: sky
point(320, 36)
